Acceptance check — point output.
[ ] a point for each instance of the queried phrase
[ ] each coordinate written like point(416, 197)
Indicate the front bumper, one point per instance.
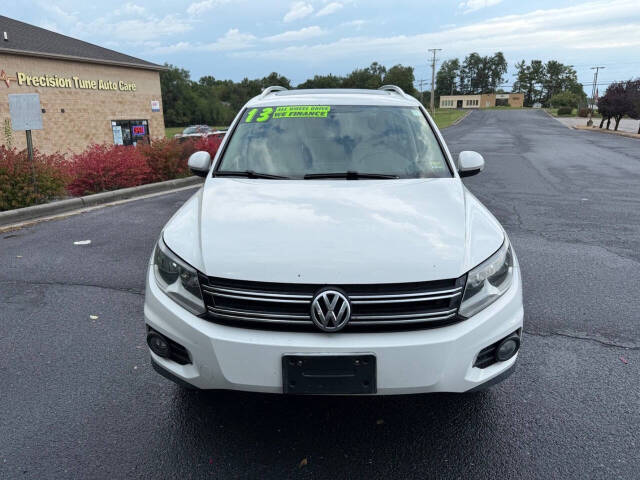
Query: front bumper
point(435, 360)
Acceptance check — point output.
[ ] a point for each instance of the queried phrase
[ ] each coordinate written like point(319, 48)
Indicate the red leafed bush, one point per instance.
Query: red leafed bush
point(209, 144)
point(17, 188)
point(167, 158)
point(108, 167)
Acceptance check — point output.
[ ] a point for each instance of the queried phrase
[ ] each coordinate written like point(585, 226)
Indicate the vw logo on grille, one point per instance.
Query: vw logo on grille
point(330, 310)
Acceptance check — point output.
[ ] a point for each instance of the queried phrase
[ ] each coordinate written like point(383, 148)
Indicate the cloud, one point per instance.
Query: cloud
point(296, 35)
point(233, 40)
point(298, 10)
point(169, 49)
point(355, 24)
point(597, 24)
point(473, 5)
point(197, 8)
point(329, 9)
point(136, 27)
point(130, 9)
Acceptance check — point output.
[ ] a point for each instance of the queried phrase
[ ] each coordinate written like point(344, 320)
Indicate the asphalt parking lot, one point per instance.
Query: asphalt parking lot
point(80, 400)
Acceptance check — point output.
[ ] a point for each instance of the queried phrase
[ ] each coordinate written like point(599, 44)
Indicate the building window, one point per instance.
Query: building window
point(130, 132)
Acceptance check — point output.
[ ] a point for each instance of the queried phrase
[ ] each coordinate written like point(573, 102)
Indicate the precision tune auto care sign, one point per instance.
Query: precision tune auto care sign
point(55, 81)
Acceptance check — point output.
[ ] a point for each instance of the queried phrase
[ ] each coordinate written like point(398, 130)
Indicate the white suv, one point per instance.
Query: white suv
point(333, 249)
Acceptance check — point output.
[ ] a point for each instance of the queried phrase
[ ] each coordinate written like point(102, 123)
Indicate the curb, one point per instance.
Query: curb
point(62, 206)
point(460, 119)
point(610, 132)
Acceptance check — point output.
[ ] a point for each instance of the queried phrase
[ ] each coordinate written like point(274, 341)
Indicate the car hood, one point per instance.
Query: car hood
point(333, 232)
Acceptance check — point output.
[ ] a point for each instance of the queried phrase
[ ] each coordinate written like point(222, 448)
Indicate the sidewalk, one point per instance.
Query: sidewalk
point(626, 124)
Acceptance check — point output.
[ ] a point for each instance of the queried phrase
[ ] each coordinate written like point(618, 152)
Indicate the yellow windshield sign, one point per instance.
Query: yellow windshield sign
point(302, 111)
point(294, 111)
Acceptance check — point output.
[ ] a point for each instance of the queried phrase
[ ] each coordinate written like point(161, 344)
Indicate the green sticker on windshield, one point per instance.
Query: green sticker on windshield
point(295, 111)
point(302, 111)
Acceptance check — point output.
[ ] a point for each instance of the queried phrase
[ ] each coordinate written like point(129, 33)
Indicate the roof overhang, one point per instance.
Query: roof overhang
point(54, 56)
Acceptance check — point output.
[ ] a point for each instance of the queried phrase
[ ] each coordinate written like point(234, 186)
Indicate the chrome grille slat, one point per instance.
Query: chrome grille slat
point(408, 315)
point(265, 320)
point(405, 295)
point(374, 307)
point(258, 315)
point(405, 300)
point(401, 322)
point(213, 290)
point(258, 299)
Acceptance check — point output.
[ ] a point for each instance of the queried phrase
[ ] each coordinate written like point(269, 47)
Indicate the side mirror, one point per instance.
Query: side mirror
point(200, 163)
point(470, 163)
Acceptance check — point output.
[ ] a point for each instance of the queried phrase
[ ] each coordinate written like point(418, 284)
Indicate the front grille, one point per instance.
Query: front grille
point(375, 307)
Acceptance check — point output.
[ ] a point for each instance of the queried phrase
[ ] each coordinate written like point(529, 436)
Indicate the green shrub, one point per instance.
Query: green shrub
point(565, 111)
point(17, 188)
point(564, 99)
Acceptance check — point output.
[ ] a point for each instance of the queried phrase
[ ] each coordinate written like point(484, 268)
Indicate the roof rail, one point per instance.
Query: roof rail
point(269, 90)
point(393, 88)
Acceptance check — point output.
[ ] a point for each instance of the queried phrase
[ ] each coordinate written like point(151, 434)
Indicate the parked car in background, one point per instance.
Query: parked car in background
point(219, 133)
point(195, 131)
point(199, 131)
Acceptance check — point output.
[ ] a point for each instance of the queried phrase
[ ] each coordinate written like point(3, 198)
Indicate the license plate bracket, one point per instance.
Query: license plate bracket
point(329, 374)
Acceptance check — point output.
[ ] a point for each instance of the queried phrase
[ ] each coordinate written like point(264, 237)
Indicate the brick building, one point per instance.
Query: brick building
point(485, 100)
point(88, 94)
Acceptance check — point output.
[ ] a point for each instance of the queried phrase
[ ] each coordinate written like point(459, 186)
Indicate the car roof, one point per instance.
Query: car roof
point(333, 96)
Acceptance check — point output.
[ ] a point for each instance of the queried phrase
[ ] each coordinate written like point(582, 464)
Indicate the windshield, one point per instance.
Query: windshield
point(189, 130)
point(294, 141)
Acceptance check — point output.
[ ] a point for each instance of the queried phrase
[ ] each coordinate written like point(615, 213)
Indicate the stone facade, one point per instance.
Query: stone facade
point(77, 117)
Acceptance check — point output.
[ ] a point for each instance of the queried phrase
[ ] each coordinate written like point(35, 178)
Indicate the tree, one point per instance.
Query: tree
point(561, 78)
point(529, 79)
point(604, 111)
point(497, 66)
point(482, 74)
point(402, 77)
point(176, 84)
point(469, 74)
point(617, 102)
point(370, 77)
point(323, 81)
point(541, 81)
point(633, 92)
point(447, 77)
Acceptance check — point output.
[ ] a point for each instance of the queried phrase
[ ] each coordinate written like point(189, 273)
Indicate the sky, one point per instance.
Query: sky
point(233, 39)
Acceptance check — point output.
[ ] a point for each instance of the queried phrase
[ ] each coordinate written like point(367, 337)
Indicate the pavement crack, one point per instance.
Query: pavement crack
point(606, 343)
point(132, 291)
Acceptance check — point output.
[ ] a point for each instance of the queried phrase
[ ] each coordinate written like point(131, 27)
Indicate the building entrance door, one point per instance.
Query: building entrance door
point(459, 104)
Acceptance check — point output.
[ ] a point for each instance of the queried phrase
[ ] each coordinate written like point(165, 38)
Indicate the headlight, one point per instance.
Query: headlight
point(488, 281)
point(177, 279)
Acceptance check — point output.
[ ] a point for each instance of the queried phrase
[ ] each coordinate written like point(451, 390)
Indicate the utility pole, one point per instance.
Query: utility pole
point(593, 94)
point(421, 81)
point(433, 78)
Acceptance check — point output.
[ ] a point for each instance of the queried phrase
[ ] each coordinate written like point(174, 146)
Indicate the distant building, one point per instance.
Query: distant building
point(88, 94)
point(485, 100)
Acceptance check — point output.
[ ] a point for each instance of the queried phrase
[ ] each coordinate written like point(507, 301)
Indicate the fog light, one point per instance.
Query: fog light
point(507, 348)
point(158, 344)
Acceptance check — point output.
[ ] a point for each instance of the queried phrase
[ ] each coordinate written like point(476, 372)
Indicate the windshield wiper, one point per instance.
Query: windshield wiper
point(246, 173)
point(349, 175)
